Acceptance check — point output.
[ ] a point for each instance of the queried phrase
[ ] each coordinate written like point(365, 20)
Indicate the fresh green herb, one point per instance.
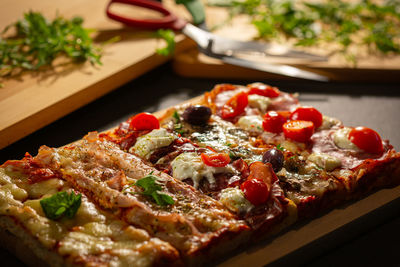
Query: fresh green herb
point(228, 144)
point(195, 8)
point(38, 41)
point(152, 188)
point(61, 204)
point(233, 155)
point(348, 25)
point(179, 128)
point(279, 147)
point(169, 37)
point(176, 116)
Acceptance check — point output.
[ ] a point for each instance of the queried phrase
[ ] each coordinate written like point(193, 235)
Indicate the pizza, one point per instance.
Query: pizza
point(192, 185)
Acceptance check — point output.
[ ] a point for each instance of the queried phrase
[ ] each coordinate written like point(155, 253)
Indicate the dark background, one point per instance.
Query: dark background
point(372, 240)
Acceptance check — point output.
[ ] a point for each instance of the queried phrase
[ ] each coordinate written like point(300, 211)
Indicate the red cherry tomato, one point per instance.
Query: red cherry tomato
point(144, 121)
point(262, 171)
point(255, 191)
point(307, 114)
point(285, 113)
point(366, 139)
point(273, 122)
point(215, 159)
point(299, 131)
point(234, 106)
point(264, 90)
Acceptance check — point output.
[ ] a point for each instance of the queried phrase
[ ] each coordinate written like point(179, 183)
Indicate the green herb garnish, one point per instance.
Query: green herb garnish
point(178, 127)
point(61, 204)
point(176, 116)
point(279, 147)
point(38, 41)
point(169, 37)
point(233, 155)
point(152, 188)
point(348, 25)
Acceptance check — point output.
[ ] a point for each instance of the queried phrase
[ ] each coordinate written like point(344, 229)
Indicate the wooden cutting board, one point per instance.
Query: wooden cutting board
point(34, 100)
point(193, 64)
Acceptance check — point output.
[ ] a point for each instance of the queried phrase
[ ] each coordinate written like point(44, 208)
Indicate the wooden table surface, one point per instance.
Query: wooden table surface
point(372, 240)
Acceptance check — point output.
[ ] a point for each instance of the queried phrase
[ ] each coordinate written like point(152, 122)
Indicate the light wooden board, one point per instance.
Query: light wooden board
point(369, 68)
point(34, 100)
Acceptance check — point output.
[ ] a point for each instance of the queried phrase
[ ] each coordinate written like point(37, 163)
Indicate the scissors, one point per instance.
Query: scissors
point(216, 46)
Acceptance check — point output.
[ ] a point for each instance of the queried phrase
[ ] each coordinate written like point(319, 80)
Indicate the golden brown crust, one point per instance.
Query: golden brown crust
point(25, 247)
point(198, 243)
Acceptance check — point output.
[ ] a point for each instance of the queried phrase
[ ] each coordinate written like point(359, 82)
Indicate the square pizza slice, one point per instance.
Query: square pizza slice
point(194, 224)
point(61, 226)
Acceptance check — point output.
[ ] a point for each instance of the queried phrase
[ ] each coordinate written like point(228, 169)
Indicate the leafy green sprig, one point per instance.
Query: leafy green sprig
point(61, 204)
point(310, 23)
point(38, 41)
point(151, 188)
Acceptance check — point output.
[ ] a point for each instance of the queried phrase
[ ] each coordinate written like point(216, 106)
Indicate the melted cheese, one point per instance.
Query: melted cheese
point(190, 166)
point(49, 187)
point(91, 232)
point(234, 200)
point(341, 139)
point(325, 161)
point(251, 123)
point(148, 143)
point(328, 123)
point(259, 102)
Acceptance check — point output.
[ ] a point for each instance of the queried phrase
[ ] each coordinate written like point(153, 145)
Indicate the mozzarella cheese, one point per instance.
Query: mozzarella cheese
point(251, 123)
point(259, 102)
point(190, 166)
point(92, 232)
point(341, 139)
point(329, 122)
point(148, 143)
point(234, 200)
point(325, 161)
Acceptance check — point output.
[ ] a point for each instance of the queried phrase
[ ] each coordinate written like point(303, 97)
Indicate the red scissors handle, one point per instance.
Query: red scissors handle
point(168, 21)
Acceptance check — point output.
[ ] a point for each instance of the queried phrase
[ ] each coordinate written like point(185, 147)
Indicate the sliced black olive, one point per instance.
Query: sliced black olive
point(275, 157)
point(197, 114)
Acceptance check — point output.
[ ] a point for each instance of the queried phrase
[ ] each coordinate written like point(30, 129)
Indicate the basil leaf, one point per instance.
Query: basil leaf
point(61, 204)
point(152, 188)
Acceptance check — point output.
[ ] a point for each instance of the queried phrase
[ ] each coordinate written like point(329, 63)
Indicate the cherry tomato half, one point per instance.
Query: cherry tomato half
point(264, 90)
point(235, 106)
point(298, 130)
point(366, 139)
point(215, 159)
point(255, 191)
point(285, 113)
point(262, 171)
point(144, 121)
point(273, 122)
point(307, 114)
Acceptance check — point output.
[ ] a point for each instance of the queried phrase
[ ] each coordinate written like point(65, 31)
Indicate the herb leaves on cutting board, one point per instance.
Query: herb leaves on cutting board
point(347, 25)
point(36, 42)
